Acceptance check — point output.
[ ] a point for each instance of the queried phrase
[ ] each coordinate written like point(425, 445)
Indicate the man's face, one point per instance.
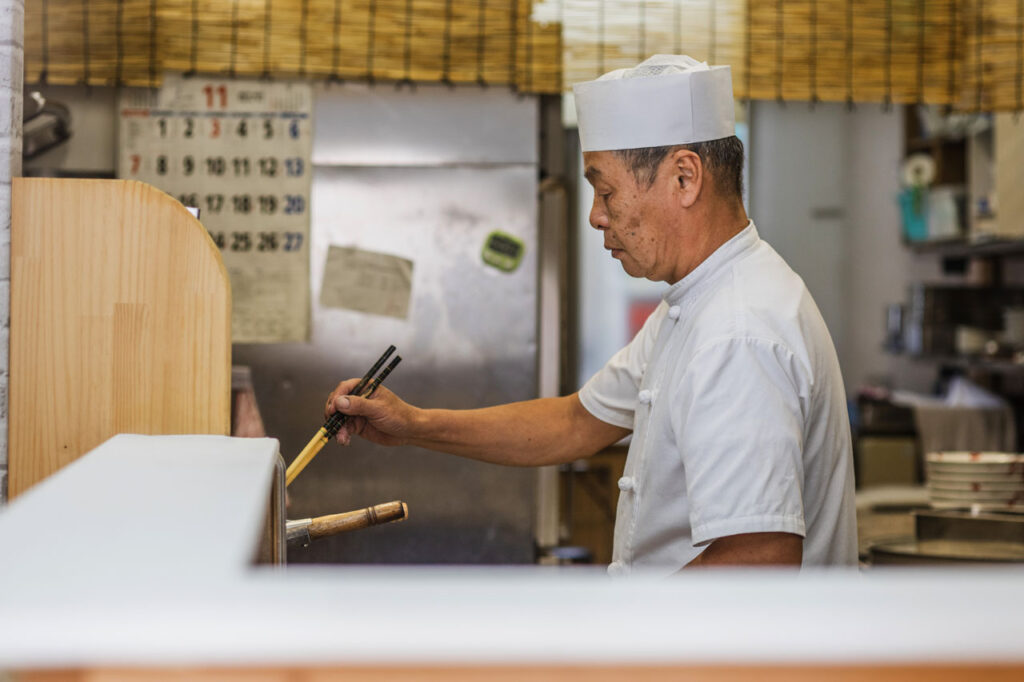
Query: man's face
point(636, 220)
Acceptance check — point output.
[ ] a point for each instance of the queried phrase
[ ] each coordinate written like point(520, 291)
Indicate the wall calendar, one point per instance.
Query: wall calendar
point(239, 150)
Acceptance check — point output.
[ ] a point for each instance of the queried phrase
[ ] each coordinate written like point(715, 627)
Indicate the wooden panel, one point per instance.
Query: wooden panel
point(120, 321)
point(594, 497)
point(1009, 149)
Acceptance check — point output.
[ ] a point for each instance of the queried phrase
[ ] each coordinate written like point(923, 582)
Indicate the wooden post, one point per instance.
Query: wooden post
point(12, 51)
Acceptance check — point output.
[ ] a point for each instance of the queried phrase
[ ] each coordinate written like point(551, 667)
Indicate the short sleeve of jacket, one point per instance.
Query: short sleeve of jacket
point(739, 425)
point(610, 395)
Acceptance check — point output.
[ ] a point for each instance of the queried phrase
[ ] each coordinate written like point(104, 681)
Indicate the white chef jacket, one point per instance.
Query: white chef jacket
point(733, 392)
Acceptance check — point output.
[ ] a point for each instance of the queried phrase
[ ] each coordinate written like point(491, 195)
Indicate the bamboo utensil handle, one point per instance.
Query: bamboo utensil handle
point(332, 524)
point(306, 456)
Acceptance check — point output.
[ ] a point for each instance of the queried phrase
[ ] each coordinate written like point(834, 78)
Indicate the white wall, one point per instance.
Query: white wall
point(823, 193)
point(798, 177)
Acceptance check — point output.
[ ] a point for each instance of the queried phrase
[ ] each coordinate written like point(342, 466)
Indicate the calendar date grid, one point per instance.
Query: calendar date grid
point(257, 241)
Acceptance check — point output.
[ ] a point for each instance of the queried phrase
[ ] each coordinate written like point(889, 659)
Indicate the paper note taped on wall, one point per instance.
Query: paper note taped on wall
point(367, 281)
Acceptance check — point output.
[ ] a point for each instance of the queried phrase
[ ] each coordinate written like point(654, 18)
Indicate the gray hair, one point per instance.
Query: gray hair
point(722, 157)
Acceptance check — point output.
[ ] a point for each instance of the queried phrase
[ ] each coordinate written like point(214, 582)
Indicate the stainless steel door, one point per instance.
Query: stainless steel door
point(425, 175)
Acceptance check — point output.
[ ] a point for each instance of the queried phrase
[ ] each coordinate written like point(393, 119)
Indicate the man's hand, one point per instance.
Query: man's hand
point(752, 549)
point(383, 419)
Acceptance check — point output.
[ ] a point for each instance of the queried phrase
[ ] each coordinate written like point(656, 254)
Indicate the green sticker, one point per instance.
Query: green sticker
point(503, 251)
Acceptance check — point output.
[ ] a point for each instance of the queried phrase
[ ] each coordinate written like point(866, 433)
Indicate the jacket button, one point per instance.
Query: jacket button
point(626, 483)
point(644, 396)
point(673, 312)
point(616, 568)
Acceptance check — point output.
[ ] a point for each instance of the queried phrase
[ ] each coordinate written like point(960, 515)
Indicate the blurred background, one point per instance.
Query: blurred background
point(407, 172)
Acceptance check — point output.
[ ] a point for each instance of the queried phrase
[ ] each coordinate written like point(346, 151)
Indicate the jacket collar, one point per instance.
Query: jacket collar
point(735, 248)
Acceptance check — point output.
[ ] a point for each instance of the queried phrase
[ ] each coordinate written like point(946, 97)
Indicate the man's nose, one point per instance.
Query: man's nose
point(598, 217)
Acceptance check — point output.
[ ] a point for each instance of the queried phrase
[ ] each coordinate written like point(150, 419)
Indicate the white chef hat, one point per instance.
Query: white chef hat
point(665, 100)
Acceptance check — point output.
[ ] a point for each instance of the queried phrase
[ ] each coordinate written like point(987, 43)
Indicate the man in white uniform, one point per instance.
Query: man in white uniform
point(740, 450)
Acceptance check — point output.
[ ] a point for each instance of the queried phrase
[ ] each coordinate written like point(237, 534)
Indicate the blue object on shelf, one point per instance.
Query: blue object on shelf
point(914, 207)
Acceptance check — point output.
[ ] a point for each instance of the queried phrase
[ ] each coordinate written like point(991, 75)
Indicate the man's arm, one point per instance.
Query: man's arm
point(530, 433)
point(752, 549)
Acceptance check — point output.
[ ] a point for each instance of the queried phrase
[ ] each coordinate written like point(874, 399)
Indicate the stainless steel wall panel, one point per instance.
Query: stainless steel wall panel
point(359, 124)
point(469, 341)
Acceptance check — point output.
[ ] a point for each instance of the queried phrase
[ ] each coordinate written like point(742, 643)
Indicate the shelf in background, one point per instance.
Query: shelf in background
point(971, 362)
point(960, 248)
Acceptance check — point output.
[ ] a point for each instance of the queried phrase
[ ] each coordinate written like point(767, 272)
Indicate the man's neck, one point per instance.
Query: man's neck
point(716, 224)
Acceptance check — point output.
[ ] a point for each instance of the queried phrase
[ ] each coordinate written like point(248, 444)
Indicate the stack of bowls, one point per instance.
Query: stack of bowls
point(976, 480)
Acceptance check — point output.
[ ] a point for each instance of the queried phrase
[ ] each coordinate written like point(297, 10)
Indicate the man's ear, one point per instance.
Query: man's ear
point(688, 174)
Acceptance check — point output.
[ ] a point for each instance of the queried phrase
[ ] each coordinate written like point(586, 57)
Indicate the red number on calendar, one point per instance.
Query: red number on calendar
point(220, 91)
point(135, 163)
point(215, 132)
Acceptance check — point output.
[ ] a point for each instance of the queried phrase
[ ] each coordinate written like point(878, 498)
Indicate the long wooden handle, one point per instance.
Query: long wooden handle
point(332, 524)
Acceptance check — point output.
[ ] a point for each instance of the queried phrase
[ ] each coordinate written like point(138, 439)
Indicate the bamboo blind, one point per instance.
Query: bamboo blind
point(601, 35)
point(840, 50)
point(968, 53)
point(809, 50)
point(96, 42)
point(993, 64)
point(131, 42)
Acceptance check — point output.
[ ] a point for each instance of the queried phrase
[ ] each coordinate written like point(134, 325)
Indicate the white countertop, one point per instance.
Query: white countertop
point(366, 615)
point(196, 603)
point(146, 505)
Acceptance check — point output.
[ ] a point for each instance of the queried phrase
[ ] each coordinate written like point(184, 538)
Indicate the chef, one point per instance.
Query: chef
point(740, 451)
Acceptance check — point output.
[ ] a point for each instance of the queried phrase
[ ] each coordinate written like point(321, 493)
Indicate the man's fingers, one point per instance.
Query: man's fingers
point(360, 412)
point(352, 427)
point(342, 389)
point(356, 406)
